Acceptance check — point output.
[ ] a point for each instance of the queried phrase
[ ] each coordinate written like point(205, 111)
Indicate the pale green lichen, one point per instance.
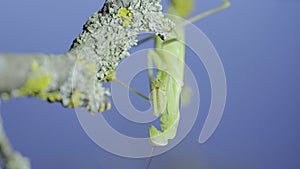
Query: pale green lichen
point(82, 88)
point(91, 67)
point(106, 38)
point(110, 33)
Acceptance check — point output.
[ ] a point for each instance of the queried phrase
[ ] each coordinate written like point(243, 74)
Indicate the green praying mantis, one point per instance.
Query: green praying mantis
point(168, 58)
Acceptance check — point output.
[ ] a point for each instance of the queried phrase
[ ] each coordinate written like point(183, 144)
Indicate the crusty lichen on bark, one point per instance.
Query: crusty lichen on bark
point(74, 78)
point(111, 32)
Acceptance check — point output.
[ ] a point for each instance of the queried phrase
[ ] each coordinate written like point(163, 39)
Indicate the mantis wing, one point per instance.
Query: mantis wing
point(168, 58)
point(165, 93)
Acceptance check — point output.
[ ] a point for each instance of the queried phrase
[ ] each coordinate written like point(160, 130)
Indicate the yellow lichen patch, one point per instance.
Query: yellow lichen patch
point(51, 96)
point(124, 12)
point(106, 106)
point(35, 85)
point(38, 84)
point(101, 109)
point(126, 15)
point(75, 99)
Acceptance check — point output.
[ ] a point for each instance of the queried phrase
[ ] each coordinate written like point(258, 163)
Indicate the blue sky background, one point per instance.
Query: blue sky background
point(259, 44)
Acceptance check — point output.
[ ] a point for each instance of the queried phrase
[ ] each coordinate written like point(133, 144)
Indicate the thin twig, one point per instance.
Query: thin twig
point(11, 159)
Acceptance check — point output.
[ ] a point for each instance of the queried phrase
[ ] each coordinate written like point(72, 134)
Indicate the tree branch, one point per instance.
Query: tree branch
point(12, 159)
point(73, 78)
